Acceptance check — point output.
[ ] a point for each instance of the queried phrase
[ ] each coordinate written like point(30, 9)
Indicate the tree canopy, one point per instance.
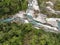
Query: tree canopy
point(8, 7)
point(26, 34)
point(56, 7)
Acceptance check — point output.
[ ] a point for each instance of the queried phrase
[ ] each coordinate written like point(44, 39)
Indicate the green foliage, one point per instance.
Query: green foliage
point(8, 7)
point(42, 5)
point(26, 34)
point(57, 5)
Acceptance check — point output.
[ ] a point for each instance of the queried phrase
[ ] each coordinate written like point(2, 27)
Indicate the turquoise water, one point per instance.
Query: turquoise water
point(34, 22)
point(30, 16)
point(59, 25)
point(6, 20)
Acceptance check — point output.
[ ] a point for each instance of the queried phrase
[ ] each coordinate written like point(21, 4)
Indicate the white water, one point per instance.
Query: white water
point(33, 5)
point(40, 18)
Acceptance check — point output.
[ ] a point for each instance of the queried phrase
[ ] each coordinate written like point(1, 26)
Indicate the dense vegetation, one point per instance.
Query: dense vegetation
point(57, 5)
point(42, 5)
point(8, 7)
point(26, 34)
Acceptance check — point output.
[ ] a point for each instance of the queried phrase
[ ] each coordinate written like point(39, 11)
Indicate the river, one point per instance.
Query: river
point(35, 22)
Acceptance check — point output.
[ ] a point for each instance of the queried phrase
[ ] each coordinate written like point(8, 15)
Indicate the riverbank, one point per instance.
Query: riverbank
point(30, 16)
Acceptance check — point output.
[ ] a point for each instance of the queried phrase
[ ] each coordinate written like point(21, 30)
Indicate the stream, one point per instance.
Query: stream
point(35, 22)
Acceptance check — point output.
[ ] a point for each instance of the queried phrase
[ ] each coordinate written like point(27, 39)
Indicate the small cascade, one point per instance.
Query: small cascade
point(34, 16)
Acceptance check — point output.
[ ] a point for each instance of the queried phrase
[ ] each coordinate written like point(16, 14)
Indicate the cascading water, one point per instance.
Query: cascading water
point(33, 5)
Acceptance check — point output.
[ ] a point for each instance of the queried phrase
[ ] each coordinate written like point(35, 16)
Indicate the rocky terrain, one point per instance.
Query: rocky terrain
point(41, 13)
